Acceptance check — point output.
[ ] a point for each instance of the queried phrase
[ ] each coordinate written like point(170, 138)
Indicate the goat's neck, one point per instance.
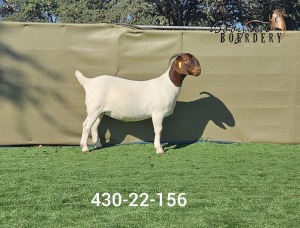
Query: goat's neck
point(175, 77)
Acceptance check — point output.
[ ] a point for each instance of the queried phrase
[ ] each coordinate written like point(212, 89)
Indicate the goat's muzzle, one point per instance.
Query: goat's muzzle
point(196, 71)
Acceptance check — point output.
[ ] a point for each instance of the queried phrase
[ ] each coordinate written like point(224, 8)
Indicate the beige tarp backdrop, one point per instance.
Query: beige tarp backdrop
point(250, 91)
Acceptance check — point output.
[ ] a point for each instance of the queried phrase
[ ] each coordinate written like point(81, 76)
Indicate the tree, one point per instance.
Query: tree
point(155, 12)
point(32, 10)
point(111, 11)
point(208, 12)
point(129, 12)
point(79, 11)
point(179, 12)
point(5, 8)
point(84, 11)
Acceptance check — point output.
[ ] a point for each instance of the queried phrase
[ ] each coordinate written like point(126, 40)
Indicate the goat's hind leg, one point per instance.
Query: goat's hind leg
point(94, 130)
point(86, 127)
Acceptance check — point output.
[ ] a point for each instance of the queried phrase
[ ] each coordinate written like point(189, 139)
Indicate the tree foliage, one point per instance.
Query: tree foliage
point(32, 10)
point(155, 12)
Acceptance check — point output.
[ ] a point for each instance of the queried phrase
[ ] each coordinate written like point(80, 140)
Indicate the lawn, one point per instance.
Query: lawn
point(223, 185)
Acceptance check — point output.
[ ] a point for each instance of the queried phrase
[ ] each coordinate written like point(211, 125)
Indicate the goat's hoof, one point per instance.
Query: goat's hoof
point(85, 149)
point(160, 152)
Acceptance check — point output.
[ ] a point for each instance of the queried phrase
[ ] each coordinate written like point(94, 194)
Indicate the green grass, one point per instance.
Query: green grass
point(226, 185)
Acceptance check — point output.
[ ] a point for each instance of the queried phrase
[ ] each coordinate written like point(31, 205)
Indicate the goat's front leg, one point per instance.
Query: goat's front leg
point(157, 120)
point(94, 130)
point(86, 127)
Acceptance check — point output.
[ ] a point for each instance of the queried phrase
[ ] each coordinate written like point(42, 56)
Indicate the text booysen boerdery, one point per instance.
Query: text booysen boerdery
point(235, 35)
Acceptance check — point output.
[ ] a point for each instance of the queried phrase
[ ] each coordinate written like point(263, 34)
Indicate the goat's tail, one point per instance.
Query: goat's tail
point(81, 78)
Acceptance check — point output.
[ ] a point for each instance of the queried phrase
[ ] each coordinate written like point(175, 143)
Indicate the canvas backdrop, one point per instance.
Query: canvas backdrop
point(247, 92)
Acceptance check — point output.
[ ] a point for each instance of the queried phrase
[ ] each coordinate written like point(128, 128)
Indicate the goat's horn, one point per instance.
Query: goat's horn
point(173, 56)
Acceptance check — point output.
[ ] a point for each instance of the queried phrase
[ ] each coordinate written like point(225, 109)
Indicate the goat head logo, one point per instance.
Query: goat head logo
point(276, 21)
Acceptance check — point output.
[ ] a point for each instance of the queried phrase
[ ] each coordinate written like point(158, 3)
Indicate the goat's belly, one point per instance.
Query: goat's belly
point(128, 117)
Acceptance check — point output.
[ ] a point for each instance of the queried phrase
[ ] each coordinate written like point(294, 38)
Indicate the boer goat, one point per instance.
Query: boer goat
point(129, 100)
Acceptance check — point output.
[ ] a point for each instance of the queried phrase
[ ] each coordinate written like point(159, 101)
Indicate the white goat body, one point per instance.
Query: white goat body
point(129, 100)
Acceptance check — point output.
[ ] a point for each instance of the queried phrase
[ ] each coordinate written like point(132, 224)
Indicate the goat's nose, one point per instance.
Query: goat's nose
point(197, 71)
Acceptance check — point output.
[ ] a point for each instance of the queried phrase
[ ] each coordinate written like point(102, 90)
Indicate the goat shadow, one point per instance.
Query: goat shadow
point(185, 126)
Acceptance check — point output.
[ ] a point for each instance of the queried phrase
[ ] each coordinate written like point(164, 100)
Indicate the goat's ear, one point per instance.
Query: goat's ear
point(180, 66)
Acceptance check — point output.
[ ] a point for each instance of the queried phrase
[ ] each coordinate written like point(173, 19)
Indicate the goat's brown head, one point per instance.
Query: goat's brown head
point(186, 64)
